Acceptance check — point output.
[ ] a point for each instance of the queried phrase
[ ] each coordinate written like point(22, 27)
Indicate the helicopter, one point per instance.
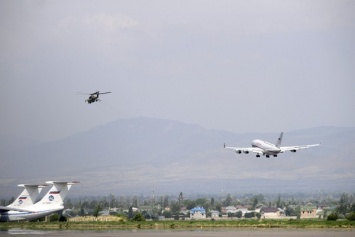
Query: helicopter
point(94, 97)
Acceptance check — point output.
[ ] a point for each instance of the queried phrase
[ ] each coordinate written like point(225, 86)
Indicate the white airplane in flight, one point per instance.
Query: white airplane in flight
point(51, 202)
point(265, 148)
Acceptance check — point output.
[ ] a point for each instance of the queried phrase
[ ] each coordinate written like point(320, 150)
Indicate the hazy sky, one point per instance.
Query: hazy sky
point(242, 66)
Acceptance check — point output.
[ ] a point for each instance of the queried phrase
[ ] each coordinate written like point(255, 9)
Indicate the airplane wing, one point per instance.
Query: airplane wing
point(245, 150)
point(296, 148)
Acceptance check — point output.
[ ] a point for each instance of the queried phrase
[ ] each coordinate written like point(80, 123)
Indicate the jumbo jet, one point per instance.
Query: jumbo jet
point(267, 149)
point(52, 202)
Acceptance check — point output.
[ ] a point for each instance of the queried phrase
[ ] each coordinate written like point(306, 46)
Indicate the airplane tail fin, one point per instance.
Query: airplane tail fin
point(279, 140)
point(57, 193)
point(28, 196)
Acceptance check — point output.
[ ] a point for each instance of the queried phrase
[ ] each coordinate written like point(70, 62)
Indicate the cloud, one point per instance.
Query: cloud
point(111, 23)
point(98, 23)
point(101, 33)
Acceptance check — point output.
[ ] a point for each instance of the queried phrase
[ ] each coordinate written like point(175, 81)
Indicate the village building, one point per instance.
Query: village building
point(308, 212)
point(235, 210)
point(145, 208)
point(243, 209)
point(320, 212)
point(215, 214)
point(198, 213)
point(230, 209)
point(270, 213)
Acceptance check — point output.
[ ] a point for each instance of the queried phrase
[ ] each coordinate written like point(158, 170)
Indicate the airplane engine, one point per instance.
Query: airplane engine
point(293, 150)
point(238, 151)
point(246, 152)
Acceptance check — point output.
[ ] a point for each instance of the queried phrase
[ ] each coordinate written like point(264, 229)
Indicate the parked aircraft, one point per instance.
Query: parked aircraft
point(265, 148)
point(28, 196)
point(51, 202)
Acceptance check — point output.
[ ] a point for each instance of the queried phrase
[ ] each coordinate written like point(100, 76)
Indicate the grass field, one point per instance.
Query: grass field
point(196, 224)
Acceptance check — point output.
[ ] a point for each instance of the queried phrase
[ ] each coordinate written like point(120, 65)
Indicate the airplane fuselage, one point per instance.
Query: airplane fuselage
point(30, 215)
point(268, 148)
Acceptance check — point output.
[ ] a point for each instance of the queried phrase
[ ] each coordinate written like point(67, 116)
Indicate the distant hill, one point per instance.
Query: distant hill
point(139, 155)
point(11, 143)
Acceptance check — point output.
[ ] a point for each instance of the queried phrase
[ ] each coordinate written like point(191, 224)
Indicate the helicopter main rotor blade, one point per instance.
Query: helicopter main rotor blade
point(104, 92)
point(82, 93)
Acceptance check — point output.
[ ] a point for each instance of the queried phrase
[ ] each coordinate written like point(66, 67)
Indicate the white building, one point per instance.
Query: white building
point(198, 213)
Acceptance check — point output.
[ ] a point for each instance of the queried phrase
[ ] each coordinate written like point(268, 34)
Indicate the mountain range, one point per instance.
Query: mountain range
point(139, 155)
